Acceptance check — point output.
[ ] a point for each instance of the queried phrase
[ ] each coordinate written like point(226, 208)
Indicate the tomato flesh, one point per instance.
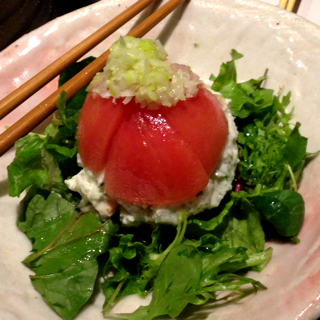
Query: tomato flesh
point(153, 157)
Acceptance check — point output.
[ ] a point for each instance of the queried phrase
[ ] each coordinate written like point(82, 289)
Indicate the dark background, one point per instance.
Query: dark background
point(18, 17)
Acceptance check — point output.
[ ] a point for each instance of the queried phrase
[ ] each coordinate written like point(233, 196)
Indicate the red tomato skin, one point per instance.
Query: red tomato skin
point(150, 164)
point(98, 122)
point(202, 124)
point(153, 157)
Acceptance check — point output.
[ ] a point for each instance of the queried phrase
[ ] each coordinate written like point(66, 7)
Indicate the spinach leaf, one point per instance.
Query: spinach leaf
point(65, 247)
point(296, 147)
point(283, 208)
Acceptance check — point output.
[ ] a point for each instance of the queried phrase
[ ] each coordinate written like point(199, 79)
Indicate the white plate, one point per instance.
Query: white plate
point(269, 38)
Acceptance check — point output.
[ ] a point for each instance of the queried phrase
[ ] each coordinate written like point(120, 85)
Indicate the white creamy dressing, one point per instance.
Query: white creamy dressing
point(93, 196)
point(90, 186)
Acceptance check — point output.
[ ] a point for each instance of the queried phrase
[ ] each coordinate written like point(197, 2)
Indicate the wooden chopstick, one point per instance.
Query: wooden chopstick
point(26, 90)
point(287, 4)
point(48, 106)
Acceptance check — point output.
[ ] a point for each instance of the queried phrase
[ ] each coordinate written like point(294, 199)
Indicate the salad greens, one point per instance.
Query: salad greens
point(65, 245)
point(271, 153)
point(187, 264)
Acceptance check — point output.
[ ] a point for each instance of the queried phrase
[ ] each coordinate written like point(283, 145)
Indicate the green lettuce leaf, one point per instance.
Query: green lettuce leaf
point(34, 165)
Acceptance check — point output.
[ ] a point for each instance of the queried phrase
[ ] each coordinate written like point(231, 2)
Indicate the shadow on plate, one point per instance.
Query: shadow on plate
point(173, 21)
point(170, 25)
point(4, 188)
point(147, 12)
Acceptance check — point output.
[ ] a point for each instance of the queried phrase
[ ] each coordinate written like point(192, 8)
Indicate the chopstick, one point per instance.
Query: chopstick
point(287, 4)
point(26, 90)
point(48, 106)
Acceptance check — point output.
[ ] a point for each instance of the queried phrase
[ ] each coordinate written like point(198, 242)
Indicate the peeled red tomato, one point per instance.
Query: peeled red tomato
point(152, 157)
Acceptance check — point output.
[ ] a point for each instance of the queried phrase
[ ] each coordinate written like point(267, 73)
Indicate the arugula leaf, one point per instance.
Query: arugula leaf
point(238, 223)
point(225, 282)
point(202, 226)
point(142, 262)
point(244, 228)
point(137, 264)
point(236, 239)
point(283, 208)
point(178, 277)
point(125, 258)
point(218, 256)
point(66, 245)
point(189, 275)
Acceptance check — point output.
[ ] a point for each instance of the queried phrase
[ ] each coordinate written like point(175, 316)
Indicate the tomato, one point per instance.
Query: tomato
point(149, 158)
point(153, 157)
point(202, 124)
point(98, 123)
